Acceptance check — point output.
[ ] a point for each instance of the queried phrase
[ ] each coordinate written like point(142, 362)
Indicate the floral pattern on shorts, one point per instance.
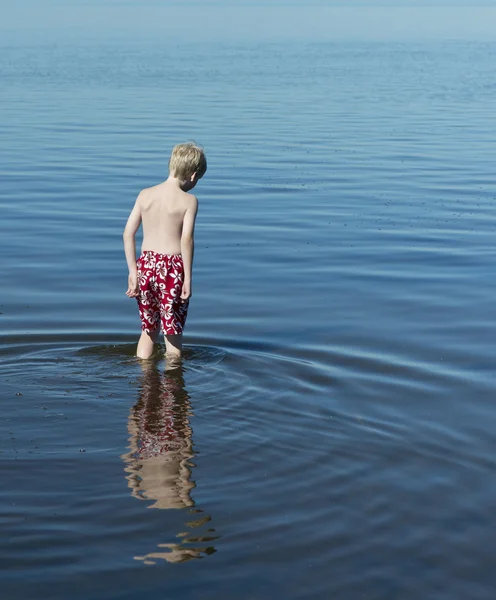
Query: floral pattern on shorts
point(160, 280)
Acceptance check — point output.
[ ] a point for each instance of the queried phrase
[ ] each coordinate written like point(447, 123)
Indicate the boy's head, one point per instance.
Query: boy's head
point(188, 162)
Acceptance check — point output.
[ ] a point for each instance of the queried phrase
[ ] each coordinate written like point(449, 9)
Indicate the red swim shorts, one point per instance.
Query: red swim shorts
point(160, 280)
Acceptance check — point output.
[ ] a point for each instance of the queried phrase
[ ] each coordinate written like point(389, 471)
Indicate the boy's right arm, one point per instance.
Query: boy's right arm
point(132, 225)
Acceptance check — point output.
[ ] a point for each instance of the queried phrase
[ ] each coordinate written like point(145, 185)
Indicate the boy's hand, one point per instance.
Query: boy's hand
point(132, 286)
point(186, 291)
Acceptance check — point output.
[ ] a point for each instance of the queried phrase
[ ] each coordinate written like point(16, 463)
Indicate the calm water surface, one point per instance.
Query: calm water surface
point(332, 431)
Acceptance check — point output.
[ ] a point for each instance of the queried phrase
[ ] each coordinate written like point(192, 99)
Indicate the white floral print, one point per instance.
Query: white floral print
point(160, 278)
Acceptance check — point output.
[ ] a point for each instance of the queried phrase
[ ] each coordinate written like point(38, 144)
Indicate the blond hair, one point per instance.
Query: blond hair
point(187, 159)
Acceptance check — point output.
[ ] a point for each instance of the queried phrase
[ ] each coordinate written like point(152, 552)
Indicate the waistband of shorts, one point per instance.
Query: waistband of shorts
point(158, 254)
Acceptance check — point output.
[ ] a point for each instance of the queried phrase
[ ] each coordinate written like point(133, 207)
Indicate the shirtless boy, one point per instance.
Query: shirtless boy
point(161, 278)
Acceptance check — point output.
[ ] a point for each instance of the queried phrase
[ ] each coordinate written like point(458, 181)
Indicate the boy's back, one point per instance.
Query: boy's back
point(163, 208)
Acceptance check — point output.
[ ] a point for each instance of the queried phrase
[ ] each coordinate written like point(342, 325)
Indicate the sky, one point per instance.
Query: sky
point(243, 20)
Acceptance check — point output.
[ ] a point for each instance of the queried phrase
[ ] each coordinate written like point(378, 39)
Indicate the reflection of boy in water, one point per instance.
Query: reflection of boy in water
point(158, 464)
point(160, 442)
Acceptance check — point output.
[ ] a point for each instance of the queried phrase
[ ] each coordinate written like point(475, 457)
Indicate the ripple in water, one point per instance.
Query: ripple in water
point(228, 453)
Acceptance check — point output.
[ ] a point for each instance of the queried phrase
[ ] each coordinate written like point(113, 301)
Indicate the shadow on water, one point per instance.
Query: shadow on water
point(159, 464)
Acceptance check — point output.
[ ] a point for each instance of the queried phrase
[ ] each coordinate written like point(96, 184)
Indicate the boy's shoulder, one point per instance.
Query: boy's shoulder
point(148, 194)
point(144, 193)
point(150, 190)
point(188, 199)
point(190, 204)
point(191, 198)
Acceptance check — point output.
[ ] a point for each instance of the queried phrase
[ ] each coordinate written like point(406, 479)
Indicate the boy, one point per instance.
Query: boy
point(161, 278)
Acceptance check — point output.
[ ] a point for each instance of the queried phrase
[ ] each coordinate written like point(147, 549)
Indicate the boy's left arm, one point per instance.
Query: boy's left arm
point(132, 225)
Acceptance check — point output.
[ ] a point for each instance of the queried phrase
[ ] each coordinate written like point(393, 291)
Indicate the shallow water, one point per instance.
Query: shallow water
point(331, 432)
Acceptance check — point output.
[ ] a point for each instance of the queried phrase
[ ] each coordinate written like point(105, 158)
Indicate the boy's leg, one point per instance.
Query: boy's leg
point(146, 343)
point(173, 348)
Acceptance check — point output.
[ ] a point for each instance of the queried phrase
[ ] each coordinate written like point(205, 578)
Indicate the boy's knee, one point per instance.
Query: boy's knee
point(146, 344)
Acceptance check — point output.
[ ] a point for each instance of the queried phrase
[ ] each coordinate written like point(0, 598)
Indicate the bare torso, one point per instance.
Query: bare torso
point(162, 212)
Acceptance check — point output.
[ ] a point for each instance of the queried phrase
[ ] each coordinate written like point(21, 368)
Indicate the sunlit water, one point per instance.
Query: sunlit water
point(331, 431)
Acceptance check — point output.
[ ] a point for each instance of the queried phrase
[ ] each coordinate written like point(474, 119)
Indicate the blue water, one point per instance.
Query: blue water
point(331, 433)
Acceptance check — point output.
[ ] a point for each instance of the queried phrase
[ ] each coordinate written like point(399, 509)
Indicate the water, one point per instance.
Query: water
point(331, 433)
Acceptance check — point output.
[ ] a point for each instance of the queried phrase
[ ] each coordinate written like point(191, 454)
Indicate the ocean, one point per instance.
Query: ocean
point(331, 432)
